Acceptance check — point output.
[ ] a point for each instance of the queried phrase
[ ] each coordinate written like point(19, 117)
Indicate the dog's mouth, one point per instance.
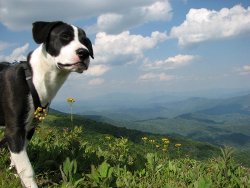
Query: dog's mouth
point(77, 67)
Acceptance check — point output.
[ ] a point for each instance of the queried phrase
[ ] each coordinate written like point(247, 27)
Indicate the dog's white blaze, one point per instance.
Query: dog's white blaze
point(68, 53)
point(24, 168)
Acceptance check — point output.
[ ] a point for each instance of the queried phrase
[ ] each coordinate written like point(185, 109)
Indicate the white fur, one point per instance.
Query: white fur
point(24, 168)
point(47, 78)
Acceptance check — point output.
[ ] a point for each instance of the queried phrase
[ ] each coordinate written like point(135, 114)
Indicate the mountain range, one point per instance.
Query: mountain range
point(217, 121)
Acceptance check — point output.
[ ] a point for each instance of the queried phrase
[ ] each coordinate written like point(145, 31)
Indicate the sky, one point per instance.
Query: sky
point(142, 46)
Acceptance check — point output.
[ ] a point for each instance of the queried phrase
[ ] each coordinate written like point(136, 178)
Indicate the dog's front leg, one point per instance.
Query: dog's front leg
point(17, 145)
point(24, 168)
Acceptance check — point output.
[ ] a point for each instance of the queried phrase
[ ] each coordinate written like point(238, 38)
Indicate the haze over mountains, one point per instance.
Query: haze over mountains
point(221, 120)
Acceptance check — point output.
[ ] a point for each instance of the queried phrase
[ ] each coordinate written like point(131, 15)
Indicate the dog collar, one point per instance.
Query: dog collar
point(40, 111)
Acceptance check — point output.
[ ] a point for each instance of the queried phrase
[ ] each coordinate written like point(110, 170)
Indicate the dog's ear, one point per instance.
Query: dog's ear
point(41, 30)
point(88, 44)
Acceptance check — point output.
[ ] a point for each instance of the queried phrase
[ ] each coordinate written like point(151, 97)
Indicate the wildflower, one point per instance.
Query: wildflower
point(177, 145)
point(70, 100)
point(40, 113)
point(108, 137)
point(144, 138)
point(165, 140)
point(157, 146)
point(164, 149)
point(152, 141)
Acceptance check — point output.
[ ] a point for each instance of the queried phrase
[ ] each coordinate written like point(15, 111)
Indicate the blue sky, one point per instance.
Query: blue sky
point(142, 46)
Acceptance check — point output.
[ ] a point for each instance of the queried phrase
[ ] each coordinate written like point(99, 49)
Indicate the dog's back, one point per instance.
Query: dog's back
point(3, 66)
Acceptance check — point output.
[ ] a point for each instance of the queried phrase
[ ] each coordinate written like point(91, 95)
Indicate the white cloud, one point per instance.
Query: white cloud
point(18, 15)
point(156, 76)
point(117, 22)
point(124, 47)
point(171, 62)
point(17, 54)
point(97, 70)
point(4, 45)
point(203, 24)
point(245, 70)
point(96, 81)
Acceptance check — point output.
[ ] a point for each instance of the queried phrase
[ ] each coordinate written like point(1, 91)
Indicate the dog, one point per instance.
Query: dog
point(63, 49)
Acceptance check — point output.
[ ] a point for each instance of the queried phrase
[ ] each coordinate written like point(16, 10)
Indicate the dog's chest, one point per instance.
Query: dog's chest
point(47, 86)
point(47, 79)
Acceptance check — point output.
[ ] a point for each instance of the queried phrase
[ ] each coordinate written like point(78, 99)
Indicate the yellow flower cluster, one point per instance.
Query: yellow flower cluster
point(40, 113)
point(165, 140)
point(177, 145)
point(70, 100)
point(152, 141)
point(107, 137)
point(162, 144)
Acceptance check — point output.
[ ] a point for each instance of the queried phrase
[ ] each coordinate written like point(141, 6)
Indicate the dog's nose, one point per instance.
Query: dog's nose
point(82, 53)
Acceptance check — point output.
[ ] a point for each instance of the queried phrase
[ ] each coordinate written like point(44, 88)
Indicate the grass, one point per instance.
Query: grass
point(85, 155)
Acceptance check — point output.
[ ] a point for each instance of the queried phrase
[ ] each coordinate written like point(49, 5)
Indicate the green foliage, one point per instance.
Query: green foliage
point(80, 156)
point(101, 176)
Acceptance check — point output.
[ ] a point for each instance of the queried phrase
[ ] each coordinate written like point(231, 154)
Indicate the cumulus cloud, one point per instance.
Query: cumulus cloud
point(156, 76)
point(96, 81)
point(18, 15)
point(118, 22)
point(124, 47)
point(203, 24)
point(17, 54)
point(97, 70)
point(171, 62)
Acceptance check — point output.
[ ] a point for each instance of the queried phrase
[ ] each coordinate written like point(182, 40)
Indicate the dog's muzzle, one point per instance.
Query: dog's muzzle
point(79, 66)
point(82, 53)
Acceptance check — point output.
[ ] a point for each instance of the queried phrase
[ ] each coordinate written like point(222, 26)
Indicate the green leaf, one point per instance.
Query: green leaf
point(103, 169)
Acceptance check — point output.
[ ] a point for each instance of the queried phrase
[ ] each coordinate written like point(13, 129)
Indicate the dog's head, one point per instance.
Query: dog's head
point(68, 45)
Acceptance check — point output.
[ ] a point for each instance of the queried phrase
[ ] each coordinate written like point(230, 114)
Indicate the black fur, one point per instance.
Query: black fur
point(13, 105)
point(14, 90)
point(57, 34)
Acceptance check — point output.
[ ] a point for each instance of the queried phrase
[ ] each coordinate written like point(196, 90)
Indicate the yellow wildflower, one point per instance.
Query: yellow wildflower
point(152, 141)
point(40, 113)
point(144, 138)
point(166, 142)
point(177, 145)
point(70, 100)
point(108, 137)
point(164, 139)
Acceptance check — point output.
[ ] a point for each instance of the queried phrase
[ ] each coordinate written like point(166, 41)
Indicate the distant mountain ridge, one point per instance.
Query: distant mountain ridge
point(217, 121)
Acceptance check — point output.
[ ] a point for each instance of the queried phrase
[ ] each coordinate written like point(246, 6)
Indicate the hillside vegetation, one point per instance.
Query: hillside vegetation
point(86, 153)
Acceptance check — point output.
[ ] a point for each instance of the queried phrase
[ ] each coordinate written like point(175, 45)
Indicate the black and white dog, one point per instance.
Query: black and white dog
point(64, 49)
